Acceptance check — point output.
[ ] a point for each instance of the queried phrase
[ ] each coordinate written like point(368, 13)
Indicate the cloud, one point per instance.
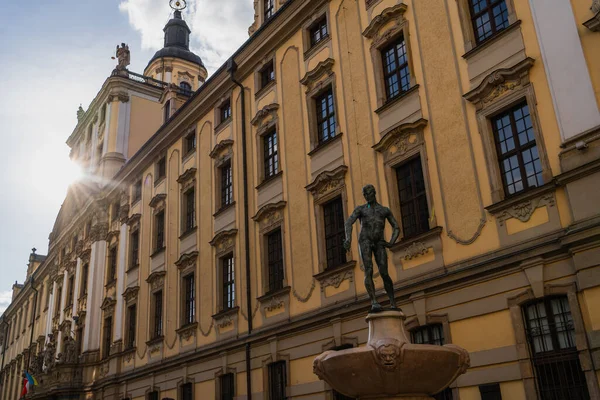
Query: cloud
point(5, 299)
point(218, 27)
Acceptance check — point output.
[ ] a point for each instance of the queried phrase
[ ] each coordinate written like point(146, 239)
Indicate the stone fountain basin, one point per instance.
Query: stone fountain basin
point(419, 370)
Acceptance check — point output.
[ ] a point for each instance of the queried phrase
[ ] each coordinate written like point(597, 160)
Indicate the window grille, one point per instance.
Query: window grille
point(333, 215)
point(396, 73)
point(228, 279)
point(275, 260)
point(488, 17)
point(271, 157)
point(413, 198)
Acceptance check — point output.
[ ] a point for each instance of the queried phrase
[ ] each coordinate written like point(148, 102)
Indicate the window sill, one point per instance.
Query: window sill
point(187, 330)
point(134, 202)
point(135, 266)
point(264, 89)
point(222, 125)
point(321, 276)
point(265, 298)
point(223, 209)
point(491, 40)
point(158, 251)
point(268, 180)
point(396, 99)
point(159, 181)
point(316, 47)
point(406, 242)
point(188, 232)
point(521, 197)
point(226, 313)
point(324, 144)
point(156, 340)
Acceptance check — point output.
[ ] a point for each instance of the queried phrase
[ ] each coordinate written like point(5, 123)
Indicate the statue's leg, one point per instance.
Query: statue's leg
point(382, 264)
point(366, 251)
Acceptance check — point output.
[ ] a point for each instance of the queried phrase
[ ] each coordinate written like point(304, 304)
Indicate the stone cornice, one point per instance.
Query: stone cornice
point(322, 68)
point(186, 259)
point(268, 208)
point(158, 200)
point(269, 109)
point(131, 293)
point(134, 219)
point(380, 20)
point(327, 180)
point(219, 147)
point(392, 136)
point(188, 175)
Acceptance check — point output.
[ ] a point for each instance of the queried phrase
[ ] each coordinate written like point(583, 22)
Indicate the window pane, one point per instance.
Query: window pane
point(325, 110)
point(413, 198)
point(395, 68)
point(489, 17)
point(333, 216)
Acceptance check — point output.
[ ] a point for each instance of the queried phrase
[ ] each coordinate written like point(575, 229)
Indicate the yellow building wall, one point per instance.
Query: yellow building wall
point(146, 118)
point(484, 332)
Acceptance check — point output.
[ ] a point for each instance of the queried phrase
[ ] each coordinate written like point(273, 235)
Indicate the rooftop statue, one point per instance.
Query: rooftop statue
point(123, 56)
point(371, 242)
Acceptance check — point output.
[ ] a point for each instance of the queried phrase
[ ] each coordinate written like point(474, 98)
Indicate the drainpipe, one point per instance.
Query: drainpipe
point(232, 68)
point(32, 322)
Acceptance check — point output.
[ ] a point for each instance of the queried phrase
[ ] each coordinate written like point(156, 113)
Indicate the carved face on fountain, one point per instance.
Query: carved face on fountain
point(388, 352)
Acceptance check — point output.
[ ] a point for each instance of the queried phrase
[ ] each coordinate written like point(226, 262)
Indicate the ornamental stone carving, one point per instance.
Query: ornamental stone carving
point(108, 305)
point(593, 23)
point(327, 182)
point(336, 278)
point(186, 332)
point(524, 210)
point(270, 216)
point(187, 260)
point(131, 293)
point(187, 179)
point(415, 250)
point(99, 232)
point(158, 202)
point(224, 241)
point(322, 71)
point(265, 116)
point(156, 280)
point(382, 19)
point(401, 139)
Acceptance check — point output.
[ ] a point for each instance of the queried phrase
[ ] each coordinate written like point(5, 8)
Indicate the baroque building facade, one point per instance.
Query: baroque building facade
point(202, 257)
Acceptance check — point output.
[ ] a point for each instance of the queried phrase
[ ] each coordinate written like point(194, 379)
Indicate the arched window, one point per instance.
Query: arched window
point(186, 87)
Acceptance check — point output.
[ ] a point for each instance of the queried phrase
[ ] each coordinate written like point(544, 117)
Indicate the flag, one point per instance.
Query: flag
point(31, 379)
point(25, 387)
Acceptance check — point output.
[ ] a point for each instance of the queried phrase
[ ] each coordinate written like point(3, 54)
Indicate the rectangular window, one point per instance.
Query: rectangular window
point(189, 144)
point(131, 319)
point(153, 395)
point(517, 150)
point(277, 380)
point(57, 302)
point(70, 289)
point(551, 337)
point(490, 391)
point(318, 31)
point(134, 257)
point(325, 116)
point(488, 17)
point(84, 280)
point(333, 215)
point(186, 391)
point(167, 110)
point(227, 386)
point(161, 168)
point(190, 210)
point(432, 334)
point(159, 224)
point(107, 337)
point(275, 260)
point(271, 158)
point(226, 184)
point(413, 198)
point(137, 191)
point(189, 300)
point(228, 279)
point(269, 8)
point(112, 264)
point(225, 111)
point(158, 310)
point(395, 68)
point(116, 208)
point(267, 73)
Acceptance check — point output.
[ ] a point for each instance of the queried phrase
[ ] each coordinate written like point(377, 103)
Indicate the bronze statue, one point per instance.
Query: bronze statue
point(371, 242)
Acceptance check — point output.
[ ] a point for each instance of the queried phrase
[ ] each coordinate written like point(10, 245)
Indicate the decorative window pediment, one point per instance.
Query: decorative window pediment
point(593, 24)
point(131, 293)
point(112, 236)
point(186, 260)
point(265, 116)
point(376, 31)
point(402, 139)
point(222, 150)
point(318, 74)
point(224, 241)
point(156, 280)
point(270, 216)
point(499, 83)
point(327, 182)
point(134, 221)
point(108, 304)
point(158, 202)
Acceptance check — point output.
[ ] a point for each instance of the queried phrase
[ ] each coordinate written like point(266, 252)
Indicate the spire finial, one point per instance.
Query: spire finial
point(178, 5)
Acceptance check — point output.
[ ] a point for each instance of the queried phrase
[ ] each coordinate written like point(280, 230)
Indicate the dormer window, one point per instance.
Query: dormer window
point(186, 87)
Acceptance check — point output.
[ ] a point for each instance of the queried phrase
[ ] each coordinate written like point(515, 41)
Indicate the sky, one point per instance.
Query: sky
point(54, 56)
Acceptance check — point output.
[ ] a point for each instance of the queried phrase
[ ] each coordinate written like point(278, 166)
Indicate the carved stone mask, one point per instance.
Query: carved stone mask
point(387, 354)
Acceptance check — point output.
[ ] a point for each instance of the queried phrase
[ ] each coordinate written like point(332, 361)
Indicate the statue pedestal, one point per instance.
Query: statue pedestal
point(389, 367)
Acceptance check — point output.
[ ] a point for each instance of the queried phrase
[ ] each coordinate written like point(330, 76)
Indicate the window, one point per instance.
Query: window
point(107, 337)
point(269, 8)
point(159, 224)
point(167, 110)
point(189, 300)
point(432, 334)
point(413, 198)
point(333, 215)
point(396, 74)
point(551, 337)
point(158, 309)
point(227, 386)
point(277, 380)
point(228, 280)
point(225, 111)
point(318, 31)
point(161, 168)
point(134, 257)
point(488, 17)
point(267, 73)
point(490, 391)
point(137, 191)
point(271, 157)
point(57, 302)
point(131, 321)
point(116, 209)
point(226, 184)
point(517, 150)
point(112, 264)
point(275, 260)
point(186, 88)
point(70, 289)
point(186, 391)
point(84, 279)
point(153, 395)
point(189, 143)
point(325, 116)
point(190, 210)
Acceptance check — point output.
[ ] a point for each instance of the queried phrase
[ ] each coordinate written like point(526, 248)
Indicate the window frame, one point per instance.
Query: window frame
point(408, 163)
point(264, 77)
point(466, 24)
point(318, 99)
point(161, 169)
point(268, 155)
point(130, 336)
point(223, 393)
point(134, 251)
point(340, 233)
point(317, 26)
point(190, 142)
point(270, 283)
point(157, 308)
point(225, 185)
point(392, 45)
point(188, 310)
point(227, 298)
point(159, 230)
point(112, 263)
point(188, 210)
point(268, 12)
point(271, 391)
point(136, 191)
point(107, 335)
point(225, 111)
